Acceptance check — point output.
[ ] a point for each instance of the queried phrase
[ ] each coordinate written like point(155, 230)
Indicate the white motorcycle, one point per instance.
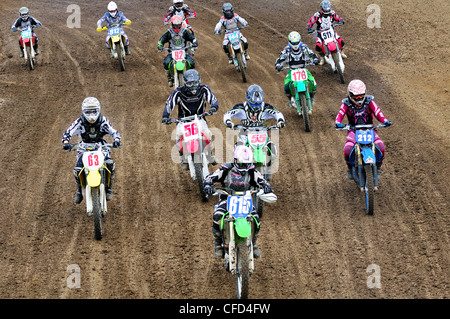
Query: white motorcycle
point(195, 147)
point(94, 177)
point(331, 49)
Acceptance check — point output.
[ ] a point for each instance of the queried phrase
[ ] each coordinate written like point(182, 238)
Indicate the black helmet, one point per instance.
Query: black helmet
point(192, 81)
point(255, 96)
point(227, 10)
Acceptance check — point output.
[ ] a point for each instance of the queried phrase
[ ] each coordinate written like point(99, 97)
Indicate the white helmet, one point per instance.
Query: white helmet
point(178, 3)
point(243, 158)
point(295, 40)
point(356, 91)
point(112, 9)
point(90, 109)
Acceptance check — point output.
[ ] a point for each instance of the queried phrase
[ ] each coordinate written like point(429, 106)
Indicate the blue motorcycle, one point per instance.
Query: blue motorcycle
point(364, 157)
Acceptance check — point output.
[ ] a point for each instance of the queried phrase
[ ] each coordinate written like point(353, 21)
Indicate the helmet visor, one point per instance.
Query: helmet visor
point(113, 13)
point(242, 167)
point(192, 85)
point(178, 4)
point(91, 115)
point(358, 97)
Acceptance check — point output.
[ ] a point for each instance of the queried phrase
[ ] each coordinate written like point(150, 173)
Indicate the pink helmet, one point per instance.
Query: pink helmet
point(243, 158)
point(176, 23)
point(356, 92)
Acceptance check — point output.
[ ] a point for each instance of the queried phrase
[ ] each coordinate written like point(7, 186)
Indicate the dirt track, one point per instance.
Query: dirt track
point(316, 240)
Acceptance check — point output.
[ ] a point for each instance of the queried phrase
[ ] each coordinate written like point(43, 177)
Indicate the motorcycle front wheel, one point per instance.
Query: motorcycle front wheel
point(30, 61)
point(241, 66)
point(97, 213)
point(369, 190)
point(242, 270)
point(338, 67)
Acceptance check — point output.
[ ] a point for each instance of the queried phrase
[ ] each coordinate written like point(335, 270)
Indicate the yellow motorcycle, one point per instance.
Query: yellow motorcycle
point(116, 42)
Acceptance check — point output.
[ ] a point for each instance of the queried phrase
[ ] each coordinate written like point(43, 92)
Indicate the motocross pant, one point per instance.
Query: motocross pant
point(319, 44)
point(168, 59)
point(350, 142)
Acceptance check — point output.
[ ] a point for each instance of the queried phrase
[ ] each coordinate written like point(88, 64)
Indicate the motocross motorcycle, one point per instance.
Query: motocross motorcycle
point(238, 227)
point(301, 97)
point(194, 146)
point(178, 65)
point(117, 42)
point(28, 41)
point(330, 48)
point(190, 50)
point(363, 158)
point(236, 50)
point(258, 140)
point(94, 177)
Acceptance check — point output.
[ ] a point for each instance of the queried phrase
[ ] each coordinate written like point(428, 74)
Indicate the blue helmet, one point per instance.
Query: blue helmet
point(255, 96)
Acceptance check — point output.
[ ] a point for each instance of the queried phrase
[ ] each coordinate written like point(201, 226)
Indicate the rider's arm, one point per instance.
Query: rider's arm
point(35, 22)
point(218, 26)
point(188, 36)
point(313, 21)
point(342, 112)
point(241, 20)
point(337, 18)
point(257, 179)
point(123, 17)
point(170, 104)
point(216, 176)
point(235, 112)
point(374, 108)
point(16, 24)
point(271, 112)
point(74, 129)
point(164, 39)
point(191, 14)
point(106, 125)
point(100, 21)
point(211, 98)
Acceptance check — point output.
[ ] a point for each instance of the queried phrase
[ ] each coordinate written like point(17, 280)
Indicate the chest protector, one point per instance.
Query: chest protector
point(254, 118)
point(235, 180)
point(297, 59)
point(231, 24)
point(92, 133)
point(360, 115)
point(177, 39)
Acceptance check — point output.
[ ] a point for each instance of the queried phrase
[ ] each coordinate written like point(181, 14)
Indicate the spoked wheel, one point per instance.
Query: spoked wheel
point(338, 67)
point(242, 270)
point(97, 213)
point(305, 114)
point(369, 189)
point(30, 61)
point(121, 55)
point(241, 66)
point(199, 179)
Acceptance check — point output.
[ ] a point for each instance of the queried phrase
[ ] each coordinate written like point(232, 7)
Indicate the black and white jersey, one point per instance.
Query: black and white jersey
point(91, 133)
point(249, 117)
point(189, 104)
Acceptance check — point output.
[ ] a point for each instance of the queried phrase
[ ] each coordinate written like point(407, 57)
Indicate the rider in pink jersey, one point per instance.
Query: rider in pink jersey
point(359, 109)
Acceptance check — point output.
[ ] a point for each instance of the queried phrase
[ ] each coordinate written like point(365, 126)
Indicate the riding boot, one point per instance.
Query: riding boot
point(230, 58)
point(247, 57)
point(36, 49)
point(169, 78)
point(127, 50)
point(343, 54)
point(109, 192)
point(217, 240)
point(256, 251)
point(79, 194)
point(21, 52)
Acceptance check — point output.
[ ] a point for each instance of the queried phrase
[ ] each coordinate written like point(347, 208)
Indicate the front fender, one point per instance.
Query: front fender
point(301, 86)
point(243, 227)
point(93, 179)
point(368, 156)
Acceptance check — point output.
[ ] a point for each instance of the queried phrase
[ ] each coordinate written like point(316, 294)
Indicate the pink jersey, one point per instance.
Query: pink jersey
point(362, 115)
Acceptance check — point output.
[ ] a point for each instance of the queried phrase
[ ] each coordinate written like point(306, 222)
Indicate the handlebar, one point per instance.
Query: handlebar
point(88, 146)
point(230, 192)
point(289, 68)
point(234, 30)
point(255, 128)
point(316, 31)
point(348, 127)
point(170, 49)
point(188, 118)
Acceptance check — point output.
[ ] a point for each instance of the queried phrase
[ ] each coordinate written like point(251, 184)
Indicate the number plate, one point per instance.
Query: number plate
point(26, 34)
point(365, 136)
point(257, 139)
point(239, 206)
point(114, 31)
point(178, 55)
point(299, 75)
point(190, 129)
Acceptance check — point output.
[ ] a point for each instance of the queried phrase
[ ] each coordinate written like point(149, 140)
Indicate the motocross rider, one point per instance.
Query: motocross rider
point(324, 19)
point(191, 99)
point(22, 22)
point(359, 109)
point(254, 112)
point(239, 176)
point(179, 8)
point(113, 17)
point(91, 127)
point(177, 36)
point(297, 54)
point(230, 21)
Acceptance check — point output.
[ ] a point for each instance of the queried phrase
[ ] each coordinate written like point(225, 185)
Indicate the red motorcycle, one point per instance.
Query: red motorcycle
point(28, 41)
